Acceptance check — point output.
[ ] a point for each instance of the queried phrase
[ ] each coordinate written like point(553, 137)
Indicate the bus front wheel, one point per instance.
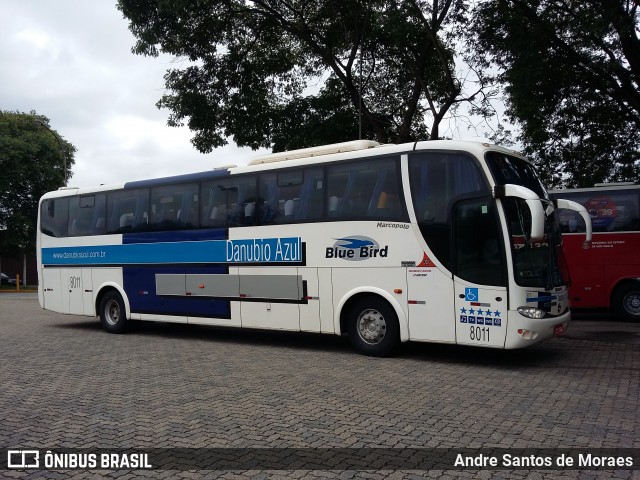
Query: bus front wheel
point(626, 301)
point(373, 326)
point(113, 316)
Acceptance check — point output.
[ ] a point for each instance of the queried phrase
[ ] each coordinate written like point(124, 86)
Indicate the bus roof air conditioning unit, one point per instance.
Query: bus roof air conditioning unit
point(315, 151)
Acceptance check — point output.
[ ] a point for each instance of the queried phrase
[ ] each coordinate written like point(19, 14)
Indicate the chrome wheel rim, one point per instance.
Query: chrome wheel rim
point(372, 327)
point(112, 312)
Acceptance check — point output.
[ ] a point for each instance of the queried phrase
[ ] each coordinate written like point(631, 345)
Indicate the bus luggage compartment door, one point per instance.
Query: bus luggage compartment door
point(71, 283)
point(270, 297)
point(52, 289)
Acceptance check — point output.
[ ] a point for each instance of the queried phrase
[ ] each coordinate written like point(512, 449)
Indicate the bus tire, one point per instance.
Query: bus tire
point(626, 301)
point(113, 316)
point(372, 325)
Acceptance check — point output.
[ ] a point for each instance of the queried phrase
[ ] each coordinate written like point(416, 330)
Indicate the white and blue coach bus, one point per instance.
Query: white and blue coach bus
point(441, 241)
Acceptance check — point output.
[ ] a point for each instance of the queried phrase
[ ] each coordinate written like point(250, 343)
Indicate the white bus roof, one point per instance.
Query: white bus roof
point(304, 157)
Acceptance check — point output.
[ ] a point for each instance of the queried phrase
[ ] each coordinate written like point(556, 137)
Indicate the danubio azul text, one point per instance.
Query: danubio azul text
point(264, 250)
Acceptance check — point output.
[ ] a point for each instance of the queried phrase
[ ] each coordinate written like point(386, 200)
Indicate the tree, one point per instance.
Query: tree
point(33, 158)
point(286, 74)
point(571, 72)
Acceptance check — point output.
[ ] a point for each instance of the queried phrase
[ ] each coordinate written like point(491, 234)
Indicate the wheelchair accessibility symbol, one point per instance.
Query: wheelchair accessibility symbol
point(471, 294)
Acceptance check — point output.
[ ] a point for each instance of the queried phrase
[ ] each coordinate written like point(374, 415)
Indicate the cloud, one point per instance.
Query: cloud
point(71, 61)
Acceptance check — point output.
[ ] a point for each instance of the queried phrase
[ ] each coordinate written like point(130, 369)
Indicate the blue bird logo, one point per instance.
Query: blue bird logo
point(354, 243)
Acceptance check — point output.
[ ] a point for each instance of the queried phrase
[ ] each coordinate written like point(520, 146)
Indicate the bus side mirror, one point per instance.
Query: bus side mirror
point(533, 201)
point(576, 207)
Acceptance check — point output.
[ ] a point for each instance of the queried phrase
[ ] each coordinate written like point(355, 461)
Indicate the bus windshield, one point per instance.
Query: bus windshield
point(536, 264)
point(509, 169)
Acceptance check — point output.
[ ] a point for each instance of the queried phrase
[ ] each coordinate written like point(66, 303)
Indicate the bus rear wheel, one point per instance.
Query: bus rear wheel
point(113, 317)
point(373, 326)
point(626, 301)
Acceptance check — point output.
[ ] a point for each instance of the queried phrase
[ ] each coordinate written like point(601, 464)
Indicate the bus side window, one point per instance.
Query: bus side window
point(309, 205)
point(269, 209)
point(127, 211)
point(215, 195)
point(610, 211)
point(174, 207)
point(626, 212)
point(97, 225)
point(355, 190)
point(292, 196)
point(385, 203)
point(241, 203)
point(229, 202)
point(86, 215)
point(188, 212)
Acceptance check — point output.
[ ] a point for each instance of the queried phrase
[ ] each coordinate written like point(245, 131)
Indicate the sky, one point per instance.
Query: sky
point(71, 61)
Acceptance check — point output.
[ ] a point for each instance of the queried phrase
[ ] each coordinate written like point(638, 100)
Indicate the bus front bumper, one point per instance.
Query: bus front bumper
point(523, 331)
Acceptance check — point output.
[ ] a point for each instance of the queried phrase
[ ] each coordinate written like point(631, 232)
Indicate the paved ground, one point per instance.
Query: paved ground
point(65, 383)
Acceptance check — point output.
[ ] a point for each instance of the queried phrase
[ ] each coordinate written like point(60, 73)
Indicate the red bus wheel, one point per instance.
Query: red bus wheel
point(626, 301)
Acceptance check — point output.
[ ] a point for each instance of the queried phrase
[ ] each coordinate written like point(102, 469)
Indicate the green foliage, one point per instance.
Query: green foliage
point(571, 71)
point(281, 75)
point(32, 160)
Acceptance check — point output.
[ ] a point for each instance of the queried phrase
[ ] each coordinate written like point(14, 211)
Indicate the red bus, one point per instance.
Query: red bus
point(607, 274)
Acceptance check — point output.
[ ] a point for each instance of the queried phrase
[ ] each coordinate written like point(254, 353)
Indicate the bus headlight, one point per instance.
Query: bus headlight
point(531, 312)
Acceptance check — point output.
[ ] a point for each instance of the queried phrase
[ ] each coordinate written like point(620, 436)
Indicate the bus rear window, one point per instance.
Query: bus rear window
point(54, 217)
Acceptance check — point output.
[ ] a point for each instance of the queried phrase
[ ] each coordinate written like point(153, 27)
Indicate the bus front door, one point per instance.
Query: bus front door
point(479, 274)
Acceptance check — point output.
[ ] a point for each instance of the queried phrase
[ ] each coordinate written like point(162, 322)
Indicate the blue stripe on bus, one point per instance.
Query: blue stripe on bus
point(280, 250)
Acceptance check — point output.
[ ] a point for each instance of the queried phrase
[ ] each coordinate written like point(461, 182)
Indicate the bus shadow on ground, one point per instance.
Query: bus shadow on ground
point(537, 356)
point(622, 336)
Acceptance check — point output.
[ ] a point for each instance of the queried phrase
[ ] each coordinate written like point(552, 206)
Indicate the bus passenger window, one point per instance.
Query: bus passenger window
point(291, 196)
point(174, 207)
point(367, 189)
point(270, 209)
point(127, 211)
point(241, 201)
point(229, 202)
point(214, 205)
point(388, 205)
